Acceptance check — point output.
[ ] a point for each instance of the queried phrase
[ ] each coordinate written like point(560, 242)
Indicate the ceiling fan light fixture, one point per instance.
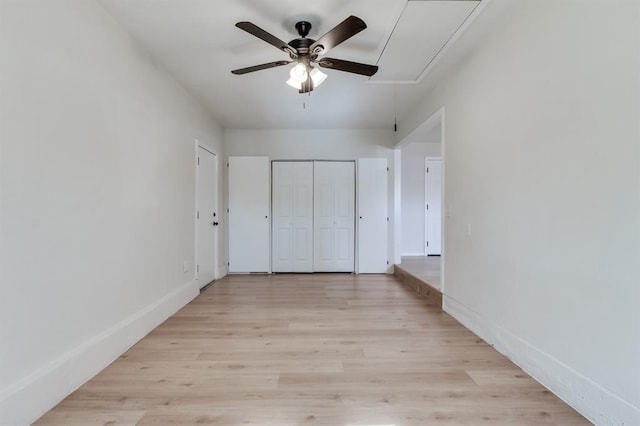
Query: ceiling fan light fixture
point(299, 73)
point(317, 77)
point(295, 84)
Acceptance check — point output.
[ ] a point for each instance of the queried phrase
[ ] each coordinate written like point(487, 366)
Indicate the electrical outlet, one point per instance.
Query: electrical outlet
point(468, 229)
point(185, 266)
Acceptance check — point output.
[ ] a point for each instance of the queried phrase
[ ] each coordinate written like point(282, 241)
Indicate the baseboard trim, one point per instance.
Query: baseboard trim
point(594, 402)
point(27, 400)
point(206, 286)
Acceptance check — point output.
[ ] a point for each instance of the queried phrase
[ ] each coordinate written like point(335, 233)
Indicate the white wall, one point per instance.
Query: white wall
point(542, 159)
point(413, 204)
point(96, 199)
point(323, 144)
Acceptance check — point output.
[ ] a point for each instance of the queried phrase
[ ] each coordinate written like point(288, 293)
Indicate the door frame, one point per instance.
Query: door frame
point(437, 117)
point(216, 238)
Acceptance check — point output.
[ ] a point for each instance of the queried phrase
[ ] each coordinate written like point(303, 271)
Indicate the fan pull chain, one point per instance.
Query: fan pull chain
point(395, 108)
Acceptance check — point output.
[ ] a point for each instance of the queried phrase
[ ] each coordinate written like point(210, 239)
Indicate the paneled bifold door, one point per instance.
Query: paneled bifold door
point(313, 206)
point(334, 216)
point(292, 217)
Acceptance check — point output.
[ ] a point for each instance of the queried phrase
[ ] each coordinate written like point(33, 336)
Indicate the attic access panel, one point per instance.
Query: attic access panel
point(422, 30)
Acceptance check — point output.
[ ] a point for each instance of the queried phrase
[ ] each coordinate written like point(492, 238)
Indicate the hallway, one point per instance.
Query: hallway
point(321, 349)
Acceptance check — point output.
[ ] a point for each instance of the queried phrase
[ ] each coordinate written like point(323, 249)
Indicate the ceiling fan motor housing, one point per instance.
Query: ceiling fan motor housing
point(302, 45)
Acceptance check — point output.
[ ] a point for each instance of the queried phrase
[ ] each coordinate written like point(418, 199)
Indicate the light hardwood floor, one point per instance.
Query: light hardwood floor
point(427, 268)
point(324, 349)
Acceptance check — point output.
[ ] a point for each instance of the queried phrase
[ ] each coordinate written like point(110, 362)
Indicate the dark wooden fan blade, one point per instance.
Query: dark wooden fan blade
point(263, 35)
point(341, 32)
point(260, 67)
point(348, 66)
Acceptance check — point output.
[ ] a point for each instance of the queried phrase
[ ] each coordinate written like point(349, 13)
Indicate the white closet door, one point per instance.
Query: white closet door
point(249, 214)
point(433, 206)
point(334, 215)
point(292, 233)
point(206, 217)
point(372, 215)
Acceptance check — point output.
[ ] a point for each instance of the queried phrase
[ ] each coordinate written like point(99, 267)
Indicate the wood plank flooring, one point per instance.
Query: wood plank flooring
point(426, 268)
point(419, 285)
point(323, 349)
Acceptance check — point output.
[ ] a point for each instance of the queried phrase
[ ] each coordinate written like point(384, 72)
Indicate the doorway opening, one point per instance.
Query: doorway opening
point(421, 242)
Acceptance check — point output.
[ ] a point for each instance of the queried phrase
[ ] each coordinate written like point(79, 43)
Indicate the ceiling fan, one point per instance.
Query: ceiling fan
point(306, 51)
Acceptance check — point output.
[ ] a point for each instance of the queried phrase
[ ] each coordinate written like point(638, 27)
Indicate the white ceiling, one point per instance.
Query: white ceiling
point(197, 41)
point(422, 30)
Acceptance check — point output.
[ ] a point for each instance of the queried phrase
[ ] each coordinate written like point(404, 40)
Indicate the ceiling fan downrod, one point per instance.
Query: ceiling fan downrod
point(303, 28)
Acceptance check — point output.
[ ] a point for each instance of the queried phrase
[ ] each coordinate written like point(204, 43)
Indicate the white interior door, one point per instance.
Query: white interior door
point(334, 215)
point(433, 206)
point(248, 214)
point(292, 216)
point(372, 215)
point(206, 217)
